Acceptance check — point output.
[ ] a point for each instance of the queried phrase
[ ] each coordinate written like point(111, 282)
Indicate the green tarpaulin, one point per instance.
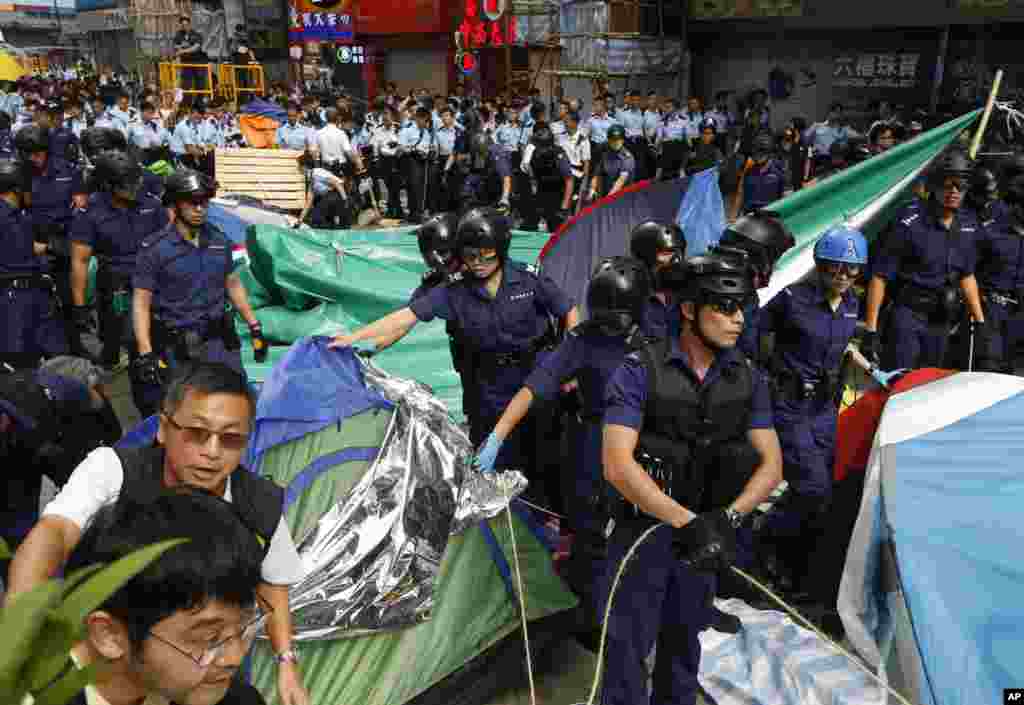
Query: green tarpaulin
point(321, 282)
point(473, 609)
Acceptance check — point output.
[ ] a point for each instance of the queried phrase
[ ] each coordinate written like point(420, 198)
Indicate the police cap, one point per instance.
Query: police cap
point(616, 132)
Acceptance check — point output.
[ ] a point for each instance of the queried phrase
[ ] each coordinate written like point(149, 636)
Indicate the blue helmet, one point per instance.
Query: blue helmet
point(842, 244)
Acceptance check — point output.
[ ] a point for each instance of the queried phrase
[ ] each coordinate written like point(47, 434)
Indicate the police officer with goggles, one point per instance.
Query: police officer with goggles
point(661, 247)
point(677, 413)
point(615, 168)
point(929, 257)
point(120, 215)
point(184, 278)
point(28, 303)
point(503, 313)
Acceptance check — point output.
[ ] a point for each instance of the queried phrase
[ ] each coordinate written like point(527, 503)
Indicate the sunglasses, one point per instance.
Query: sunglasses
point(475, 254)
point(850, 270)
point(728, 305)
point(200, 436)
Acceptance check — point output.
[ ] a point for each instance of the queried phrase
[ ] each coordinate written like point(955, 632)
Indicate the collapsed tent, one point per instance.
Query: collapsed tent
point(930, 592)
point(258, 121)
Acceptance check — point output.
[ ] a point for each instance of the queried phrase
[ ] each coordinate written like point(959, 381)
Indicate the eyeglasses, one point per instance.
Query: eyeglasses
point(850, 270)
point(728, 305)
point(475, 254)
point(215, 651)
point(200, 436)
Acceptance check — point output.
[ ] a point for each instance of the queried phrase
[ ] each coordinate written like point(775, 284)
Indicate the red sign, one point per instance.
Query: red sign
point(401, 16)
point(479, 32)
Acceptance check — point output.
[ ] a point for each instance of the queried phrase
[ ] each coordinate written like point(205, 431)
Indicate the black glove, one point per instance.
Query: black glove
point(146, 369)
point(871, 346)
point(708, 543)
point(81, 316)
point(259, 343)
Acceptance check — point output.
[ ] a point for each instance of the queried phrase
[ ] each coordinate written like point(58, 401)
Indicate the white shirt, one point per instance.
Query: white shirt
point(333, 144)
point(577, 149)
point(97, 481)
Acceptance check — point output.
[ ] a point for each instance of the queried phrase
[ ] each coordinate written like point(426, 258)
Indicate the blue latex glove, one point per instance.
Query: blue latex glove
point(364, 347)
point(486, 456)
point(884, 378)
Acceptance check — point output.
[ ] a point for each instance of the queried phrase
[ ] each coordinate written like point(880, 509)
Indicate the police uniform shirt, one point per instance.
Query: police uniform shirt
point(1000, 256)
point(649, 124)
point(127, 117)
point(322, 181)
point(413, 138)
point(210, 133)
point(693, 121)
point(525, 135)
point(97, 482)
point(52, 191)
point(382, 140)
point(577, 149)
point(506, 136)
point(76, 126)
point(919, 250)
point(674, 127)
point(626, 394)
point(661, 319)
point(615, 164)
point(106, 119)
point(187, 280)
point(632, 122)
point(149, 135)
point(185, 135)
point(822, 136)
point(597, 128)
point(446, 140)
point(723, 120)
point(333, 144)
point(16, 256)
point(762, 186)
point(558, 129)
point(810, 338)
point(291, 136)
point(115, 234)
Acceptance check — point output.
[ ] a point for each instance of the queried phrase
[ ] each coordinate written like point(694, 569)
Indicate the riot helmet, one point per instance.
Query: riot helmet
point(719, 282)
point(651, 237)
point(983, 191)
point(764, 237)
point(954, 169)
point(12, 176)
point(616, 295)
point(436, 238)
point(842, 250)
point(118, 173)
point(543, 137)
point(483, 234)
point(32, 139)
point(186, 184)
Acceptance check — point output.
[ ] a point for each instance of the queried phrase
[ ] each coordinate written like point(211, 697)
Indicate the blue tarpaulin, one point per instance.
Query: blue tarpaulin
point(702, 212)
point(266, 109)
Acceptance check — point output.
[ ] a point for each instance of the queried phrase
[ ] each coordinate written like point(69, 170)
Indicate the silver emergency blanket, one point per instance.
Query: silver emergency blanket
point(373, 557)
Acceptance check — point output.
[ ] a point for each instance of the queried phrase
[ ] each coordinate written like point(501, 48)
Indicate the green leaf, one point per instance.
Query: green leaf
point(75, 579)
point(67, 687)
point(50, 653)
point(5, 552)
point(106, 582)
point(21, 622)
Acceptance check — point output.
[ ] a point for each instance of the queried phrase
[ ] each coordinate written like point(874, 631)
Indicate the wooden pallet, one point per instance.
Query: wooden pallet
point(272, 175)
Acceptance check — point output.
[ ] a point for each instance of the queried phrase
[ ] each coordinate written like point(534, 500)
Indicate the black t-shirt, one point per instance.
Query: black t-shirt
point(190, 38)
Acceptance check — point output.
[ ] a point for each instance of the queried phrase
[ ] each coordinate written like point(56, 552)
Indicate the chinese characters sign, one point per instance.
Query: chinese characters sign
point(481, 27)
point(898, 70)
point(318, 20)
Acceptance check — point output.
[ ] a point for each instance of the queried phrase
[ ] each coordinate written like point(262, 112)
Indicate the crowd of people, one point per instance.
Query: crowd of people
point(683, 402)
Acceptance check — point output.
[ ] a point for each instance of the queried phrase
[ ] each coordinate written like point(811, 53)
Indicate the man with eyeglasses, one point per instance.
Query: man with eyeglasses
point(204, 428)
point(678, 412)
point(928, 257)
point(184, 277)
point(177, 632)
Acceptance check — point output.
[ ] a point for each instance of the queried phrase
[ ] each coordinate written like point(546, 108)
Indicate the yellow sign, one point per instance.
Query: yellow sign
point(741, 9)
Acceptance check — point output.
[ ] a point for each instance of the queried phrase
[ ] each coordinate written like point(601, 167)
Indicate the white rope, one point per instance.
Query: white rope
point(748, 578)
point(519, 591)
point(1014, 117)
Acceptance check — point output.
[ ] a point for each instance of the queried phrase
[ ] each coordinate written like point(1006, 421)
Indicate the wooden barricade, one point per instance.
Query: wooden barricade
point(272, 175)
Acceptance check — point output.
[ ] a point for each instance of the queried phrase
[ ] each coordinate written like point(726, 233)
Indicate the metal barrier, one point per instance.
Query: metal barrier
point(170, 75)
point(229, 87)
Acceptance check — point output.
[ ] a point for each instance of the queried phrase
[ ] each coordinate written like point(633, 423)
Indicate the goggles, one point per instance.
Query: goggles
point(836, 268)
point(484, 255)
point(728, 304)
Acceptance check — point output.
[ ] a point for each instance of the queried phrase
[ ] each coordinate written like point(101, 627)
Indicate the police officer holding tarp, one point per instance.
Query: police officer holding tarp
point(677, 412)
point(184, 278)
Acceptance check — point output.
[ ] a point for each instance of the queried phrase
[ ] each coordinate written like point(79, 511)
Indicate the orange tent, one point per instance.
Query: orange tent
point(259, 131)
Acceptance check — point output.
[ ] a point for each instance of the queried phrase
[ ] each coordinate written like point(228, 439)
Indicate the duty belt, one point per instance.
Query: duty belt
point(26, 281)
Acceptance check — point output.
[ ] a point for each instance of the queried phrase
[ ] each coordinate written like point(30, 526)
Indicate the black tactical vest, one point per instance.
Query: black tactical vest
point(259, 501)
point(545, 165)
point(686, 423)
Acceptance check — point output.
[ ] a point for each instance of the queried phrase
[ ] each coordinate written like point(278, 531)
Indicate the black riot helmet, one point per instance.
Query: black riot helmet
point(117, 171)
point(436, 238)
point(764, 237)
point(12, 176)
point(543, 137)
point(185, 184)
point(484, 228)
point(983, 189)
point(616, 294)
point(32, 139)
point(648, 238)
point(955, 163)
point(718, 276)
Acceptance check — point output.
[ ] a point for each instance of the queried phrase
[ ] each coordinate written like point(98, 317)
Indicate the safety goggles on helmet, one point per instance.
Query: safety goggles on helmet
point(836, 268)
point(484, 255)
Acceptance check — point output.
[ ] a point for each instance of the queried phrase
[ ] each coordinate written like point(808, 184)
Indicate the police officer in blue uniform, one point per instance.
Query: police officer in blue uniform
point(57, 189)
point(759, 240)
point(929, 256)
point(28, 303)
point(184, 278)
point(676, 413)
point(615, 168)
point(552, 173)
point(63, 140)
point(416, 148)
point(97, 140)
point(1000, 275)
point(597, 127)
point(662, 249)
point(119, 216)
point(488, 173)
point(672, 141)
point(589, 354)
point(632, 120)
point(503, 313)
point(763, 180)
point(813, 322)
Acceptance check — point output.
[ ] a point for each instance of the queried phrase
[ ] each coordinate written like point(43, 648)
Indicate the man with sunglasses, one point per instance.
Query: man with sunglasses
point(120, 215)
point(177, 632)
point(928, 255)
point(204, 428)
point(184, 277)
point(676, 412)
